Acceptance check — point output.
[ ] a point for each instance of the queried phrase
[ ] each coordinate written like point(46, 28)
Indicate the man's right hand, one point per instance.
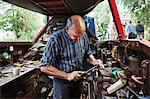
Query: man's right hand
point(75, 75)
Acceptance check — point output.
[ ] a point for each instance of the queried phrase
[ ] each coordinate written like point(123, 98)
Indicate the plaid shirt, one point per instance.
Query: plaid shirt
point(65, 54)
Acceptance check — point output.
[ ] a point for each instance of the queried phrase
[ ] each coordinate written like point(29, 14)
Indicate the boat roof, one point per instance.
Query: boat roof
point(57, 7)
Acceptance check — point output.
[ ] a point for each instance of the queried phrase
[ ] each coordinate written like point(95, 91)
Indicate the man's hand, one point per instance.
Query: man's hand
point(98, 62)
point(95, 62)
point(75, 75)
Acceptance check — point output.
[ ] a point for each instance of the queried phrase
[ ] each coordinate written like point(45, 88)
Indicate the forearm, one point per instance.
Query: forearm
point(50, 70)
point(95, 62)
point(91, 59)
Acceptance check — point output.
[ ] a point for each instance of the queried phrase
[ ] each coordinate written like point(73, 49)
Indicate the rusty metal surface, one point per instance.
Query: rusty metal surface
point(138, 45)
point(145, 67)
point(134, 63)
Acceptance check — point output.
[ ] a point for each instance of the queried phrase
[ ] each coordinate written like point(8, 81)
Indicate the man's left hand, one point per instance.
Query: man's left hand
point(98, 62)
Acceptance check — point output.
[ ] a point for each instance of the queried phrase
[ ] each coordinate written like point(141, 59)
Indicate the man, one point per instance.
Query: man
point(63, 58)
point(130, 29)
point(140, 30)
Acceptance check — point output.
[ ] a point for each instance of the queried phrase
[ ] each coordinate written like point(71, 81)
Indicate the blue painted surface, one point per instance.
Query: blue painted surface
point(90, 23)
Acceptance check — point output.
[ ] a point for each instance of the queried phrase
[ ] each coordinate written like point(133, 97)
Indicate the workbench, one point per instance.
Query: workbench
point(20, 86)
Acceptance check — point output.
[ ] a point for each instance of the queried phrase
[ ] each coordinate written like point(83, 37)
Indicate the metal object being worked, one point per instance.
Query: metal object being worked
point(90, 84)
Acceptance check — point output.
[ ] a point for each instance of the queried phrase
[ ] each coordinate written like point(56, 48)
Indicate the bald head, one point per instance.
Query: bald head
point(77, 23)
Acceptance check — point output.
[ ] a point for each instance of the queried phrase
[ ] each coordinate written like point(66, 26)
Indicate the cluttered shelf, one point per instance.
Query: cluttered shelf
point(19, 82)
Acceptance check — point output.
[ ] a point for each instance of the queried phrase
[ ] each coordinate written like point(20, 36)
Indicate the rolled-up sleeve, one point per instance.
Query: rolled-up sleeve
point(50, 53)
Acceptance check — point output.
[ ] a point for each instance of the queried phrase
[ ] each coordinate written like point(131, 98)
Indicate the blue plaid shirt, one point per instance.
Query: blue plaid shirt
point(65, 54)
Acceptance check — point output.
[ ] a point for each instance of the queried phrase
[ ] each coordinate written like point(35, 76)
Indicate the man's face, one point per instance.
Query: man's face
point(75, 37)
point(74, 34)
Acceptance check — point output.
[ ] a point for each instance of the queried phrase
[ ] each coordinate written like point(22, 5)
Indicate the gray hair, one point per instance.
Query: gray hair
point(69, 22)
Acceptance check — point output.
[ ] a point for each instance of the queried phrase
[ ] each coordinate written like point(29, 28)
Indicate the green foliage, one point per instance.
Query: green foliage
point(20, 21)
point(139, 10)
point(102, 18)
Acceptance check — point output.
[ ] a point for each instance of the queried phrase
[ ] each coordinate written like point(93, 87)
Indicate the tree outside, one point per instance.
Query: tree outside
point(23, 23)
point(102, 17)
point(128, 10)
point(139, 11)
